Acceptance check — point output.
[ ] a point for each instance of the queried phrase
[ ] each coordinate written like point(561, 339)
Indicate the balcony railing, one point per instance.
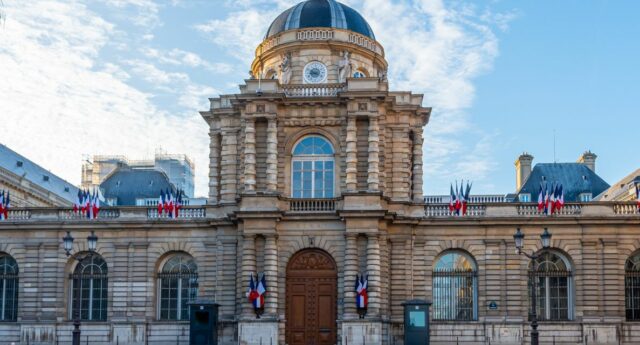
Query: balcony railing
point(321, 90)
point(443, 211)
point(184, 213)
point(312, 205)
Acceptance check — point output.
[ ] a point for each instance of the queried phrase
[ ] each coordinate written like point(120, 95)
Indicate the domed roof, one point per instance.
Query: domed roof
point(320, 13)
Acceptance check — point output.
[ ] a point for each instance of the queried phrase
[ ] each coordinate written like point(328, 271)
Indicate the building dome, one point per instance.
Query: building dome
point(320, 13)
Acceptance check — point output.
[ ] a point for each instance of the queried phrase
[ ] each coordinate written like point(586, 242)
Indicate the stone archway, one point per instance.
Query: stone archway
point(312, 287)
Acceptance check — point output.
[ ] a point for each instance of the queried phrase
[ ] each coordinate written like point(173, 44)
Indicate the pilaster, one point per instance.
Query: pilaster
point(350, 271)
point(352, 158)
point(373, 179)
point(250, 155)
point(228, 191)
point(417, 167)
point(214, 167)
point(373, 270)
point(271, 271)
point(272, 155)
point(248, 268)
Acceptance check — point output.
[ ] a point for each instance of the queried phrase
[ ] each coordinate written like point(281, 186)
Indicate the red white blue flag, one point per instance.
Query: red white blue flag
point(465, 199)
point(541, 199)
point(452, 199)
point(638, 195)
point(5, 203)
point(362, 300)
point(257, 291)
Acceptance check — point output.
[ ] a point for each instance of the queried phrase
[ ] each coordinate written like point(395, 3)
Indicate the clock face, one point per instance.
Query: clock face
point(315, 73)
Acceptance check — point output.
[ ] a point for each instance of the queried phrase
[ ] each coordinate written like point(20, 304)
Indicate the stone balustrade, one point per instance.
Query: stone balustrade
point(313, 206)
point(316, 90)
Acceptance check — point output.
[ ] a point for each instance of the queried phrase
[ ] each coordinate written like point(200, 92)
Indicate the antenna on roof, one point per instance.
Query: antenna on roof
point(554, 146)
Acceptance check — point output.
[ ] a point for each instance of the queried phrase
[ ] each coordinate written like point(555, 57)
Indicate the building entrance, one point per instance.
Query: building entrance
point(311, 298)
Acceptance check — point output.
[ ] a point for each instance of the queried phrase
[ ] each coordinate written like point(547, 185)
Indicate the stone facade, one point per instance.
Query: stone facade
point(376, 224)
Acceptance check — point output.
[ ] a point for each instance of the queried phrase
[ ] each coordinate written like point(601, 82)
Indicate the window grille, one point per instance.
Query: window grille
point(632, 288)
point(178, 285)
point(455, 281)
point(89, 283)
point(8, 288)
point(553, 279)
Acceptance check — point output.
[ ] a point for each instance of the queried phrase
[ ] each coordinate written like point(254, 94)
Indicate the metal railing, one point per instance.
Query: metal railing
point(454, 295)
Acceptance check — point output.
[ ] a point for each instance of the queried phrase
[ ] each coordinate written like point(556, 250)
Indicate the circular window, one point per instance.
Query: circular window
point(315, 72)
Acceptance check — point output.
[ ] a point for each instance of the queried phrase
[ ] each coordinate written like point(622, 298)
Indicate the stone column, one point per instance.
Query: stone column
point(250, 155)
point(229, 161)
point(373, 180)
point(272, 155)
point(271, 270)
point(350, 271)
point(214, 166)
point(417, 167)
point(373, 270)
point(352, 158)
point(248, 268)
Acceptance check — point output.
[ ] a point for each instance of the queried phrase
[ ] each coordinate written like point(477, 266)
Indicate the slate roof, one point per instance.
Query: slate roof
point(126, 185)
point(37, 175)
point(320, 13)
point(621, 188)
point(576, 178)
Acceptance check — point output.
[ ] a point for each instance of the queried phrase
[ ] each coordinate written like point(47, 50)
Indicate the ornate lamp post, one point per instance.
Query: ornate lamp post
point(546, 242)
point(92, 242)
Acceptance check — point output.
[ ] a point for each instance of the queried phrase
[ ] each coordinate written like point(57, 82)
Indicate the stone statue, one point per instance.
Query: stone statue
point(344, 67)
point(285, 69)
point(382, 75)
point(251, 75)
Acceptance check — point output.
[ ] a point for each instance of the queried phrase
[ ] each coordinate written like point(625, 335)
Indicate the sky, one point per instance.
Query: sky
point(86, 77)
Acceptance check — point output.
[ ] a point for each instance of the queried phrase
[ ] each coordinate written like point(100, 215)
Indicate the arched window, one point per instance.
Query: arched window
point(455, 286)
point(177, 285)
point(312, 172)
point(89, 285)
point(632, 287)
point(8, 288)
point(551, 273)
point(359, 74)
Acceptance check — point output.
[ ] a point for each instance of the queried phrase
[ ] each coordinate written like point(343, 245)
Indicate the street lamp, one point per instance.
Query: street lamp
point(92, 242)
point(545, 238)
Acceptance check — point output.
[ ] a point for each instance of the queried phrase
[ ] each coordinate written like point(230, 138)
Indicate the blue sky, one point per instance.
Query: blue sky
point(128, 77)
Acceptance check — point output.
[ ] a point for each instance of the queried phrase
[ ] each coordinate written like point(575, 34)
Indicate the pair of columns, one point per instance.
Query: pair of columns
point(372, 257)
point(270, 269)
point(223, 164)
point(373, 179)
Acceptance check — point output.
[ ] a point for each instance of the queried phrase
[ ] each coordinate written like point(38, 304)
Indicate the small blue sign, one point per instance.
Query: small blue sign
point(493, 305)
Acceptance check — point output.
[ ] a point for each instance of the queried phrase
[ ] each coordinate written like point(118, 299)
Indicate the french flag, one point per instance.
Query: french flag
point(559, 197)
point(540, 199)
point(458, 201)
point(362, 299)
point(465, 201)
point(261, 289)
point(2, 208)
point(452, 199)
point(7, 204)
point(160, 202)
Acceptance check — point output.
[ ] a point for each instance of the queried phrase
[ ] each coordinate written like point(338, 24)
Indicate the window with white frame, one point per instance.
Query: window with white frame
point(525, 197)
point(8, 288)
point(312, 168)
point(89, 286)
point(177, 286)
point(586, 197)
point(552, 275)
point(455, 286)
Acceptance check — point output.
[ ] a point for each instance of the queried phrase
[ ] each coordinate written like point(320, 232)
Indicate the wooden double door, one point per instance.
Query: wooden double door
point(311, 299)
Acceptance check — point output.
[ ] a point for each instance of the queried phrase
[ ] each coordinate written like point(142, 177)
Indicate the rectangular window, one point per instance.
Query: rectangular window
point(524, 197)
point(586, 197)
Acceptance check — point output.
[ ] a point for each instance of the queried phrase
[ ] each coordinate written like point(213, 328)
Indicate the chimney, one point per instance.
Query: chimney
point(589, 160)
point(523, 169)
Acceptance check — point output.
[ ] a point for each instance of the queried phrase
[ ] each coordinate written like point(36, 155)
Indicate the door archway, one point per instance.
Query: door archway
point(312, 287)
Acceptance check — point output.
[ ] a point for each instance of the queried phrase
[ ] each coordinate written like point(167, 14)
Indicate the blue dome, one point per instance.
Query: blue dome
point(320, 13)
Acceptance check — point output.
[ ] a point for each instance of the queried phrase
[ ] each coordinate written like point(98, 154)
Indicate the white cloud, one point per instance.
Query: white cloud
point(63, 101)
point(147, 15)
point(179, 57)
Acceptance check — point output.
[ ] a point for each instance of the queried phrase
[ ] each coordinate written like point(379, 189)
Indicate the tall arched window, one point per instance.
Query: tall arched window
point(312, 172)
point(89, 283)
point(552, 274)
point(632, 287)
point(177, 285)
point(8, 288)
point(455, 282)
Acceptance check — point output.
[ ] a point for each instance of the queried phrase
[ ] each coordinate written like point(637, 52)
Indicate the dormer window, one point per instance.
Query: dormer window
point(525, 197)
point(585, 197)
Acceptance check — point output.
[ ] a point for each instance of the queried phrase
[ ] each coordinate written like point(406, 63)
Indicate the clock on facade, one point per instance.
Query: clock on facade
point(315, 72)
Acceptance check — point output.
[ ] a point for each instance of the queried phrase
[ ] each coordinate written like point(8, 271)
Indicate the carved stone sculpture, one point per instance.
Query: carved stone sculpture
point(285, 69)
point(344, 67)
